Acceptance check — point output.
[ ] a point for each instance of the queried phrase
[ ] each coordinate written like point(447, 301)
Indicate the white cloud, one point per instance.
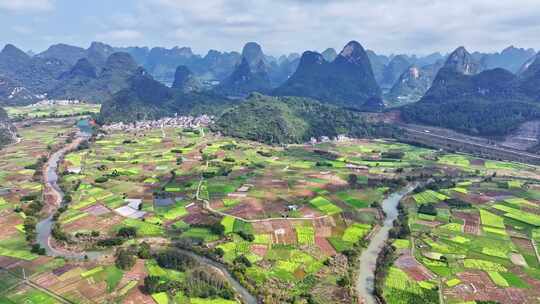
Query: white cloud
point(389, 26)
point(26, 5)
point(282, 26)
point(123, 35)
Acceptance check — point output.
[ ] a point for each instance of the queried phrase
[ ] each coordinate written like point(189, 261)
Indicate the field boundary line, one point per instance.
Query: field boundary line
point(29, 282)
point(206, 205)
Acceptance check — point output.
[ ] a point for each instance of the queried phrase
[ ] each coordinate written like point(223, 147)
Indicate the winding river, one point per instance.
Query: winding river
point(50, 180)
point(44, 227)
point(365, 283)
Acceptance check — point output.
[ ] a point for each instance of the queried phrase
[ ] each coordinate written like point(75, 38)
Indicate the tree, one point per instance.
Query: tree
point(127, 232)
point(344, 281)
point(151, 284)
point(241, 259)
point(219, 252)
point(124, 259)
point(428, 209)
point(352, 180)
point(246, 236)
point(144, 251)
point(217, 228)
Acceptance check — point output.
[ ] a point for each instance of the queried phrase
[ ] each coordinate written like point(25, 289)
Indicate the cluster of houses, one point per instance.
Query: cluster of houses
point(167, 122)
point(54, 102)
point(324, 139)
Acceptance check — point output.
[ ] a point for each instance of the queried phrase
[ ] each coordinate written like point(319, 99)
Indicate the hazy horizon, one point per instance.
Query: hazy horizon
point(281, 27)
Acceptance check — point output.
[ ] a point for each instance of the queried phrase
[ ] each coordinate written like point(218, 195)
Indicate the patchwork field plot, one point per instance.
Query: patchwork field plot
point(287, 221)
point(473, 247)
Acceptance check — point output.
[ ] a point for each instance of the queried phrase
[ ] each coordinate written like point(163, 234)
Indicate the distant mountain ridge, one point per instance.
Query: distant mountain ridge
point(59, 72)
point(393, 70)
point(145, 98)
point(82, 82)
point(347, 81)
point(35, 74)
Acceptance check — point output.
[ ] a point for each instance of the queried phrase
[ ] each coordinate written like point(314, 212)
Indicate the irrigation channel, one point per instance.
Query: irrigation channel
point(44, 227)
point(365, 283)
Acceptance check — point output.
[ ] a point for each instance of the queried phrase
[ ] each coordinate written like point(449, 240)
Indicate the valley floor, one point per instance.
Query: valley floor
point(288, 224)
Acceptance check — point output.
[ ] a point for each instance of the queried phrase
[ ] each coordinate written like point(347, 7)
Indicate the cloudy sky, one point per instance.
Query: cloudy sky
point(280, 26)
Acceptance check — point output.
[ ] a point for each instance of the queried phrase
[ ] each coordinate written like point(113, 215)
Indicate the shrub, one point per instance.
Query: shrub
point(428, 209)
point(124, 259)
point(246, 236)
point(127, 232)
point(144, 251)
point(101, 179)
point(110, 242)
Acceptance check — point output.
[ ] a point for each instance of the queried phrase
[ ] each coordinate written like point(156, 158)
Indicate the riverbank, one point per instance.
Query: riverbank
point(365, 282)
point(53, 198)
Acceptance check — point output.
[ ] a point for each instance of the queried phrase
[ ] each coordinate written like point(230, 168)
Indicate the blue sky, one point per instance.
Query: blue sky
point(280, 26)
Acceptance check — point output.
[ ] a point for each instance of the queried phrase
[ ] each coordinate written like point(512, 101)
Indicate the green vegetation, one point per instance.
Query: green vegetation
point(400, 289)
point(324, 205)
point(280, 120)
point(288, 221)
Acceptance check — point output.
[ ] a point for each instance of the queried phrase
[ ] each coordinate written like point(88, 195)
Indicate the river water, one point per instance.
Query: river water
point(44, 228)
point(365, 283)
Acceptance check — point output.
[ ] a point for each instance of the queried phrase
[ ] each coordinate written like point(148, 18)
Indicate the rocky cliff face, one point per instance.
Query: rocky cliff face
point(529, 82)
point(13, 93)
point(395, 68)
point(413, 84)
point(461, 61)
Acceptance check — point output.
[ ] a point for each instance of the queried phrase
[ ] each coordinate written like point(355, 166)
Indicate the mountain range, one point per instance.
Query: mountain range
point(470, 99)
point(56, 72)
point(483, 94)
